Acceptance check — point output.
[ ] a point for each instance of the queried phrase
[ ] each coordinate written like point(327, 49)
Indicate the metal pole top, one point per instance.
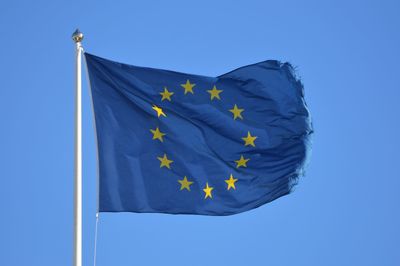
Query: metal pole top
point(77, 36)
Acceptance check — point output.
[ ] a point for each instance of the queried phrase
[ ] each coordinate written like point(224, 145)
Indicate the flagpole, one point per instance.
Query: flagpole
point(77, 36)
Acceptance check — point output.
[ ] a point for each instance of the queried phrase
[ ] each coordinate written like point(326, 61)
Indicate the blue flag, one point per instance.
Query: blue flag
point(177, 143)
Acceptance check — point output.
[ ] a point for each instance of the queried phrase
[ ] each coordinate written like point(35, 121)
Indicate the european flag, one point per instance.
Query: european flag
point(177, 143)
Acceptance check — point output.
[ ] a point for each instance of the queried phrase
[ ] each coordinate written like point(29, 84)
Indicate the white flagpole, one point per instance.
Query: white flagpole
point(77, 36)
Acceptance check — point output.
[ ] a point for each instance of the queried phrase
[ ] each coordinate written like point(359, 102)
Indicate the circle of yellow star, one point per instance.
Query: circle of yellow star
point(249, 140)
point(165, 162)
point(215, 93)
point(185, 183)
point(207, 190)
point(159, 111)
point(188, 87)
point(166, 95)
point(157, 134)
point(231, 182)
point(237, 112)
point(241, 162)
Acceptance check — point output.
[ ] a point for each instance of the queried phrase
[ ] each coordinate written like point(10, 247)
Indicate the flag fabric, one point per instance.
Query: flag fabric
point(177, 143)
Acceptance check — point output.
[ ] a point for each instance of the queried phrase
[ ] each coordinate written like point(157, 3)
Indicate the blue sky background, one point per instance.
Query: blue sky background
point(344, 212)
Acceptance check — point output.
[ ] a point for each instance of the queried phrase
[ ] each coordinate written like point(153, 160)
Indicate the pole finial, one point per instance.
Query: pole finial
point(77, 36)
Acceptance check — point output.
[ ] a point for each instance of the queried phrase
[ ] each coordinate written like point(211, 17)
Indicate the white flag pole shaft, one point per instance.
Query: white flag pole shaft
point(77, 36)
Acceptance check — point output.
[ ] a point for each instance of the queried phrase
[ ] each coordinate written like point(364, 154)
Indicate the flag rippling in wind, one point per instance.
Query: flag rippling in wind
point(179, 143)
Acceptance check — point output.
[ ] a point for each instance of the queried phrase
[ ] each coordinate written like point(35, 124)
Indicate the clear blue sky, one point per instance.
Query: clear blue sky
point(344, 212)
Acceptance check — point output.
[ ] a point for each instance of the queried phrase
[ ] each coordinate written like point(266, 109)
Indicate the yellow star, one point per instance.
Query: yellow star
point(215, 93)
point(231, 182)
point(166, 94)
point(159, 111)
point(241, 162)
point(249, 140)
point(188, 87)
point(157, 134)
point(236, 112)
point(165, 162)
point(185, 183)
point(208, 190)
